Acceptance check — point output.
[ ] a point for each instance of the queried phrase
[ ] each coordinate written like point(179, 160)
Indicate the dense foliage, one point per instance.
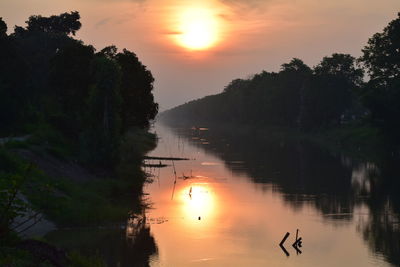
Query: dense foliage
point(91, 98)
point(381, 94)
point(69, 107)
point(296, 97)
point(332, 93)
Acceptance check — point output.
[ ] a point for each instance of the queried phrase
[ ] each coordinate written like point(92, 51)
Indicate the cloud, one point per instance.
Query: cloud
point(247, 10)
point(102, 22)
point(247, 5)
point(172, 32)
point(117, 19)
point(133, 1)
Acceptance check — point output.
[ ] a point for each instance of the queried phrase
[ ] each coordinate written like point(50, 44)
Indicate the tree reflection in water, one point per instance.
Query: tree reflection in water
point(132, 246)
point(306, 174)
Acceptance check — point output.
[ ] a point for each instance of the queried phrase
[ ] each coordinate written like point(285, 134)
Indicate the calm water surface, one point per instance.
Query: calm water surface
point(236, 198)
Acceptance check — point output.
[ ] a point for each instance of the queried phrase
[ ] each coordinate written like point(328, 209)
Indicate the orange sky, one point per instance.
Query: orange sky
point(249, 35)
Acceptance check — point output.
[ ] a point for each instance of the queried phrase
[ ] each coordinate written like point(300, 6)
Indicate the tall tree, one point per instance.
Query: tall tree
point(37, 44)
point(292, 77)
point(138, 106)
point(100, 138)
point(3, 28)
point(329, 94)
point(381, 57)
point(13, 100)
point(70, 79)
point(65, 23)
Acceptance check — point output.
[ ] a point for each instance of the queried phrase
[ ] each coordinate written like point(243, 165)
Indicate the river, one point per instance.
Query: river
point(239, 194)
point(237, 197)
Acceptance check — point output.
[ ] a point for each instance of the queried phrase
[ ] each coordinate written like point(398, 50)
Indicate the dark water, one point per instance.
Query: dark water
point(246, 190)
point(241, 192)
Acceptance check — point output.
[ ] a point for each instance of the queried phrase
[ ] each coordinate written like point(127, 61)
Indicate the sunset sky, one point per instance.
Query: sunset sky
point(195, 48)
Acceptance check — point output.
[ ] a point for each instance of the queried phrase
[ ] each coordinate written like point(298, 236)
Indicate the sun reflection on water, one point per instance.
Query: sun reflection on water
point(199, 203)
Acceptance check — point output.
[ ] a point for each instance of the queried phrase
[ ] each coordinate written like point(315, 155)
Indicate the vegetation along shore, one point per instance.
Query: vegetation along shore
point(74, 127)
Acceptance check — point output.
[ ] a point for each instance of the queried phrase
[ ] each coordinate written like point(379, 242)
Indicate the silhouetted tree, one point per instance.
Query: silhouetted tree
point(47, 76)
point(3, 28)
point(70, 79)
point(293, 76)
point(101, 135)
point(381, 95)
point(138, 106)
point(13, 98)
point(329, 94)
point(65, 23)
point(109, 51)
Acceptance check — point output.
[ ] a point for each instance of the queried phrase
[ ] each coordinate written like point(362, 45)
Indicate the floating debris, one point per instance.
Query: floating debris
point(164, 158)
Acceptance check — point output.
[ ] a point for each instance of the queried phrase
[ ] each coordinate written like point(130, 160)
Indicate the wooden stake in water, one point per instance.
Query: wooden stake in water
point(173, 189)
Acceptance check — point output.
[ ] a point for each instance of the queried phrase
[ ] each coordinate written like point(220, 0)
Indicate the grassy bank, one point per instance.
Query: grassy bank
point(70, 193)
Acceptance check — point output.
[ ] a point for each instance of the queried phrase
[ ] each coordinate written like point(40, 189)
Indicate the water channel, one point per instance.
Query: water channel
point(238, 195)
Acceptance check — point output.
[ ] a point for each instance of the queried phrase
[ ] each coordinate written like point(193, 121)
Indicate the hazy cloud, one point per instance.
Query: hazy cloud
point(102, 22)
point(133, 1)
point(247, 5)
point(172, 32)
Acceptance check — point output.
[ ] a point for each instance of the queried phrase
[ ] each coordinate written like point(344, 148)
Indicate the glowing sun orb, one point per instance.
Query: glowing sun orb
point(198, 28)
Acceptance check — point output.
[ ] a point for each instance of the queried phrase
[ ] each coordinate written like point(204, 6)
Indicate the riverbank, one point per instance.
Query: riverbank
point(71, 193)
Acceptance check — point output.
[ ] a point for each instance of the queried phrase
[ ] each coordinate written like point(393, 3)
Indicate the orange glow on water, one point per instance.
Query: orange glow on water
point(198, 203)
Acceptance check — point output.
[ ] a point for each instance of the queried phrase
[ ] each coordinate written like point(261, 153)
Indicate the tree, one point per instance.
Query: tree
point(138, 106)
point(381, 57)
point(13, 70)
point(37, 44)
point(3, 28)
point(329, 94)
point(70, 79)
point(296, 65)
point(341, 66)
point(109, 52)
point(101, 135)
point(293, 76)
point(65, 23)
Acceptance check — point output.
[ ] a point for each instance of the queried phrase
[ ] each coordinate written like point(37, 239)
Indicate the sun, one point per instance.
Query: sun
point(198, 29)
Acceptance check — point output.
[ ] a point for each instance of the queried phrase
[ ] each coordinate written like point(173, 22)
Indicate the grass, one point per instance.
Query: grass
point(98, 201)
point(79, 260)
point(10, 256)
point(90, 203)
point(69, 203)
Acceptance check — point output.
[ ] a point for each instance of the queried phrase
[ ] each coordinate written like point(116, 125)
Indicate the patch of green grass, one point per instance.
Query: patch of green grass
point(11, 256)
point(98, 201)
point(17, 144)
point(70, 203)
point(90, 203)
point(79, 260)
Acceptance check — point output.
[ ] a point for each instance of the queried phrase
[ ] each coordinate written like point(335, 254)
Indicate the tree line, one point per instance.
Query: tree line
point(339, 90)
point(47, 77)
